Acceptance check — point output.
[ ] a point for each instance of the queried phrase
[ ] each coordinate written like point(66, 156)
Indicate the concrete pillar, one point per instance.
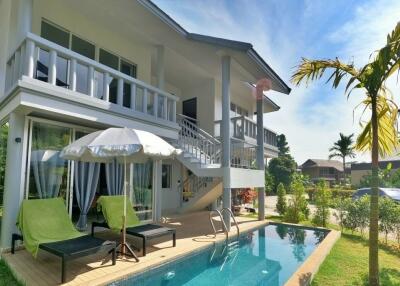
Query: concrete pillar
point(157, 172)
point(225, 135)
point(260, 146)
point(160, 67)
point(24, 18)
point(14, 177)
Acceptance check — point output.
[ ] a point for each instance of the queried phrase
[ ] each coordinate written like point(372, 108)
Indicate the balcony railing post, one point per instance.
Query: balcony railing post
point(155, 104)
point(17, 59)
point(133, 96)
point(29, 61)
point(120, 92)
point(165, 107)
point(21, 61)
point(106, 87)
point(173, 111)
point(145, 100)
point(72, 75)
point(52, 76)
point(91, 81)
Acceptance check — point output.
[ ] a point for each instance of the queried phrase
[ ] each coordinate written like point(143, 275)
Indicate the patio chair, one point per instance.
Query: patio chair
point(112, 209)
point(45, 224)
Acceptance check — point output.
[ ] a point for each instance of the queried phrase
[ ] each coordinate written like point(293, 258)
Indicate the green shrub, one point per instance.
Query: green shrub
point(358, 215)
point(323, 198)
point(387, 216)
point(342, 193)
point(297, 209)
point(341, 206)
point(281, 204)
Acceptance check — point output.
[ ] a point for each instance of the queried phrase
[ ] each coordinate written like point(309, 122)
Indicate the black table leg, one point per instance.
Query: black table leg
point(144, 246)
point(63, 269)
point(174, 239)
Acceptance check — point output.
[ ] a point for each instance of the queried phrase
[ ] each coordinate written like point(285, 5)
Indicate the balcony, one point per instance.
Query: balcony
point(39, 59)
point(245, 129)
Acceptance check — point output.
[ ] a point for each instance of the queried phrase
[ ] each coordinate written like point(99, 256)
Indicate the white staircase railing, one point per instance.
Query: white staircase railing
point(197, 142)
point(194, 184)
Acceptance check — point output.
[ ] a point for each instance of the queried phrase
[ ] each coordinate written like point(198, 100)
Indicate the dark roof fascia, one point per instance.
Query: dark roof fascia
point(235, 45)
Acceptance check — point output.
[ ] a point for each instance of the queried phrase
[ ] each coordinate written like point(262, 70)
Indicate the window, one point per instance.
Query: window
point(82, 47)
point(236, 110)
point(166, 176)
point(55, 34)
point(108, 59)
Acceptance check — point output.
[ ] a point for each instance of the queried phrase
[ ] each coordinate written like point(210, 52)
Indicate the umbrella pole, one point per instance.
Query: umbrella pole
point(124, 246)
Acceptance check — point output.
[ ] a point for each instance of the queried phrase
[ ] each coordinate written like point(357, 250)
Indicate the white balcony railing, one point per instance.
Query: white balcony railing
point(245, 129)
point(43, 60)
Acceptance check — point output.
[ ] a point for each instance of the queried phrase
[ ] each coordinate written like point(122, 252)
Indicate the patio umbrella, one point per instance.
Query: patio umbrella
point(124, 145)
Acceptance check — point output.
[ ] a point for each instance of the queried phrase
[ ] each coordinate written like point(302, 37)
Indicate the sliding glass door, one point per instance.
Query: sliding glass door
point(141, 192)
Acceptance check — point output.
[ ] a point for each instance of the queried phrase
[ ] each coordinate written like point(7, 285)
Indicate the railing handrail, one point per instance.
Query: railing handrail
point(199, 131)
point(62, 51)
point(187, 117)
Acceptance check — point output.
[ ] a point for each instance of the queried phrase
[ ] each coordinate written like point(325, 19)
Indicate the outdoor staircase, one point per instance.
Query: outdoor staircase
point(201, 154)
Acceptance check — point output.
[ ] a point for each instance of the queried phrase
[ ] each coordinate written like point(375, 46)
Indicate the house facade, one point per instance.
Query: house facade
point(68, 68)
point(330, 171)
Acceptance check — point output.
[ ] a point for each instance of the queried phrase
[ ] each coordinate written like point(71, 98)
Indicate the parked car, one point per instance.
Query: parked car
point(392, 193)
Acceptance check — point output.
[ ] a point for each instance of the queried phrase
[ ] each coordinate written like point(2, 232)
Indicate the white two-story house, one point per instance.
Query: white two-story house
point(68, 68)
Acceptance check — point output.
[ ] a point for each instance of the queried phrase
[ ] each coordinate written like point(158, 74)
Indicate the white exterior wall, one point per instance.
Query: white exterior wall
point(171, 198)
point(204, 92)
point(95, 32)
point(5, 13)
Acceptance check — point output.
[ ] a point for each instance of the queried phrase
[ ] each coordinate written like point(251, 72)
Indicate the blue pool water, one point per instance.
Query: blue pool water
point(265, 256)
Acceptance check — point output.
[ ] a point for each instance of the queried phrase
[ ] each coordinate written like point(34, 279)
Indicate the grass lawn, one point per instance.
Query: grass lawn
point(6, 277)
point(347, 264)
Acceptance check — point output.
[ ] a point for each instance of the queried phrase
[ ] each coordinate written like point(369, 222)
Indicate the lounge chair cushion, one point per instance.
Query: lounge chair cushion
point(43, 221)
point(113, 210)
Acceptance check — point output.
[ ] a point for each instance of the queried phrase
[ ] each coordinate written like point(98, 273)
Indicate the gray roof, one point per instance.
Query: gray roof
point(323, 163)
point(244, 47)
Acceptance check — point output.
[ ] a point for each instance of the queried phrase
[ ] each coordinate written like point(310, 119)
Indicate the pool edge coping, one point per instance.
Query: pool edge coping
point(307, 270)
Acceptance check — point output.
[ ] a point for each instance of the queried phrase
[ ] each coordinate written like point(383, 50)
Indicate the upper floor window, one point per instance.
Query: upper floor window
point(166, 176)
point(238, 111)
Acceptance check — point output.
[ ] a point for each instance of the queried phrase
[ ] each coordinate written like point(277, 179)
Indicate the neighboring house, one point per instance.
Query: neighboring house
point(330, 171)
point(359, 170)
point(68, 68)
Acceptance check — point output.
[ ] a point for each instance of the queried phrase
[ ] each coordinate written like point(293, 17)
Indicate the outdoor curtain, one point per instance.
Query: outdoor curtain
point(142, 181)
point(115, 178)
point(48, 169)
point(86, 178)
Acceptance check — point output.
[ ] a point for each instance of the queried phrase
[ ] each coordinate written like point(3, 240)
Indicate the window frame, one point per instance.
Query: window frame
point(169, 178)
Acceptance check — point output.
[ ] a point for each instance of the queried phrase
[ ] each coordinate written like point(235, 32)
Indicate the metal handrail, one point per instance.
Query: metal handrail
point(222, 220)
point(234, 219)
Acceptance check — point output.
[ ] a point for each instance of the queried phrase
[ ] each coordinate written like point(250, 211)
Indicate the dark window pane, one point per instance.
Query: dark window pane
point(62, 72)
point(83, 47)
point(108, 59)
point(128, 69)
point(82, 78)
point(42, 66)
point(166, 176)
point(55, 34)
point(113, 90)
point(127, 95)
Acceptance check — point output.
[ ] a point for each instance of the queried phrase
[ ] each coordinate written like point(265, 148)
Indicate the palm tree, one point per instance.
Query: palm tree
point(343, 148)
point(379, 133)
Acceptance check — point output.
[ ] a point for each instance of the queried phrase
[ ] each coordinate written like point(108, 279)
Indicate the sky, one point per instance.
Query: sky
point(284, 31)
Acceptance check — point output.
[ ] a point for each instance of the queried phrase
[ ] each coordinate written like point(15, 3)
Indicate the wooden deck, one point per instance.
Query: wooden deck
point(193, 232)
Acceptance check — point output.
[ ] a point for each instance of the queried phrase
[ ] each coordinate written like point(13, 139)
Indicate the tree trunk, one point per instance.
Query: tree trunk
point(373, 223)
point(344, 170)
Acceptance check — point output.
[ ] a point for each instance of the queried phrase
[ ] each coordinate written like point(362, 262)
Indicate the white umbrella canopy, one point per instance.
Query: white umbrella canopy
point(124, 144)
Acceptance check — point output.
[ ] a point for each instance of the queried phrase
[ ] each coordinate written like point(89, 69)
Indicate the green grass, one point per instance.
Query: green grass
point(347, 264)
point(6, 277)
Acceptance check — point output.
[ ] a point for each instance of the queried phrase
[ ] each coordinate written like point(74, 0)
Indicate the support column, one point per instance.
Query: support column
point(262, 85)
point(160, 68)
point(14, 177)
point(157, 172)
point(225, 135)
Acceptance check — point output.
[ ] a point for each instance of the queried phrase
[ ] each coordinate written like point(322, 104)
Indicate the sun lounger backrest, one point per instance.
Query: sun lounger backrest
point(44, 220)
point(112, 208)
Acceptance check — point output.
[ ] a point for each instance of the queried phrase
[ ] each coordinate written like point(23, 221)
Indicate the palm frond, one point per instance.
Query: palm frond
point(309, 70)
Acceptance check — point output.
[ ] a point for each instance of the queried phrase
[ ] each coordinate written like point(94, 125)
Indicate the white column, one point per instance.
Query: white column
point(260, 152)
point(120, 92)
point(24, 19)
point(160, 67)
point(29, 59)
point(225, 134)
point(52, 67)
point(106, 87)
point(133, 96)
point(17, 62)
point(72, 75)
point(91, 81)
point(157, 173)
point(14, 177)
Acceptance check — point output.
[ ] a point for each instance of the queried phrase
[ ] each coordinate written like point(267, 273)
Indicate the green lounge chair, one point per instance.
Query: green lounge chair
point(45, 224)
point(112, 208)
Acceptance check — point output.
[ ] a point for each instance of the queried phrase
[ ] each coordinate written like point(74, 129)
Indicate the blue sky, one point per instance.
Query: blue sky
point(283, 31)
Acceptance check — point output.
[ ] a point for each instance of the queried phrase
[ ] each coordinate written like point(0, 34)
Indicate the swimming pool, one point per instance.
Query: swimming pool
point(268, 255)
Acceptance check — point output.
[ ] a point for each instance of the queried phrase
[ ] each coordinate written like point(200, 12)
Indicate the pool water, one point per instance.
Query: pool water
point(265, 256)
